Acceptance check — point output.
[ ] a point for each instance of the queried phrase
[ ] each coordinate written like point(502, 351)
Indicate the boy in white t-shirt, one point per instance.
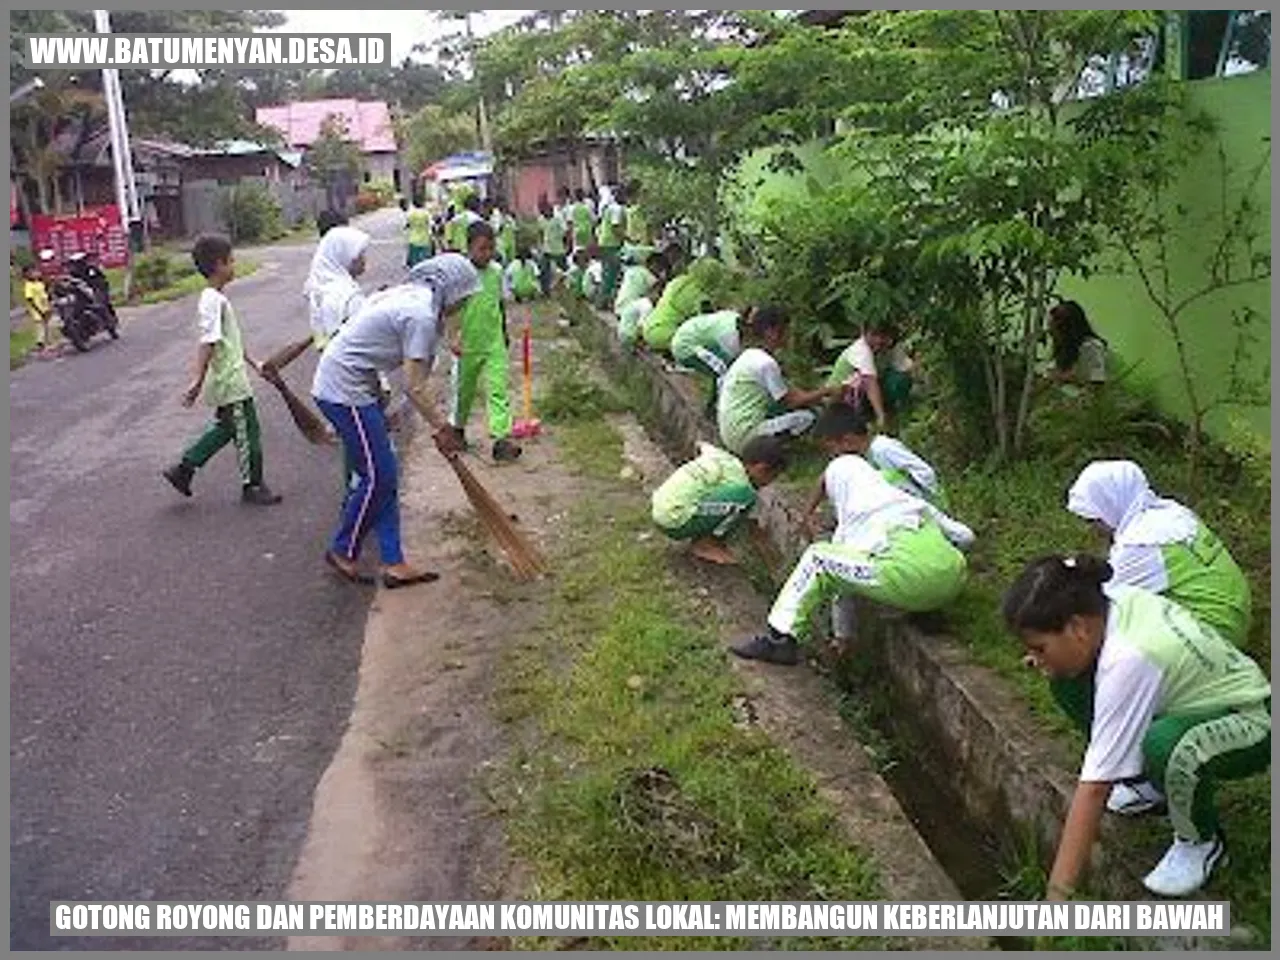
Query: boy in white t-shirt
point(876, 378)
point(755, 399)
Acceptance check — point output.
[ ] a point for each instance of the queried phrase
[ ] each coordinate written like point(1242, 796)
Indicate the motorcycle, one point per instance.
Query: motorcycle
point(83, 306)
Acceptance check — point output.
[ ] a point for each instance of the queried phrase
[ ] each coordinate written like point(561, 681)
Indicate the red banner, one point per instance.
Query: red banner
point(98, 230)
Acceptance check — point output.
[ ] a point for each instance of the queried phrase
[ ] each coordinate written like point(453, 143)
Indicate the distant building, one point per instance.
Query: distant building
point(368, 123)
point(547, 169)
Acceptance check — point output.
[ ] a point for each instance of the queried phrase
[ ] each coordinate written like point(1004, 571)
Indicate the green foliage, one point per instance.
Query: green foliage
point(252, 214)
point(334, 156)
point(433, 133)
point(152, 271)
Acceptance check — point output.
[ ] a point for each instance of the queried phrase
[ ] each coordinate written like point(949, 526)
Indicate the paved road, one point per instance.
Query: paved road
point(181, 670)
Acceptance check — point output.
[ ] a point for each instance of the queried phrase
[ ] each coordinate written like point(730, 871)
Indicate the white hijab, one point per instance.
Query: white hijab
point(1116, 492)
point(451, 277)
point(330, 287)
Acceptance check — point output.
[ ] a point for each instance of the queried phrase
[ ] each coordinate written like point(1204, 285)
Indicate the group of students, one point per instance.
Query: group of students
point(375, 351)
point(1141, 649)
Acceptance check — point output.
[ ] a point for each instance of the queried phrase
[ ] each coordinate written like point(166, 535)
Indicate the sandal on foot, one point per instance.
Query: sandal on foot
point(350, 576)
point(392, 582)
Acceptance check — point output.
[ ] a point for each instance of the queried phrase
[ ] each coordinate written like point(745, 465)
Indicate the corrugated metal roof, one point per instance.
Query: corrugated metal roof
point(368, 121)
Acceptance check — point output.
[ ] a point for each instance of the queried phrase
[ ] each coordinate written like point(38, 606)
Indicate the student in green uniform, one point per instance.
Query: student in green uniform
point(484, 350)
point(1174, 702)
point(609, 237)
point(520, 279)
point(552, 226)
point(221, 374)
point(456, 229)
point(709, 342)
point(706, 499)
point(576, 276)
point(685, 296)
point(1159, 545)
point(754, 398)
point(897, 462)
point(631, 319)
point(593, 281)
point(1079, 354)
point(889, 547)
point(877, 380)
point(418, 225)
point(583, 221)
point(504, 226)
point(637, 230)
point(638, 280)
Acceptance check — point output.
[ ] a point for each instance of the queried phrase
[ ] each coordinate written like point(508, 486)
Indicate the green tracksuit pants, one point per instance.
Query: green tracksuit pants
point(1186, 755)
point(487, 361)
point(234, 423)
point(920, 571)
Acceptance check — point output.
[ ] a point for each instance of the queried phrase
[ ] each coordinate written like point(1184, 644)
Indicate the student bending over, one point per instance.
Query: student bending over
point(1174, 703)
point(705, 500)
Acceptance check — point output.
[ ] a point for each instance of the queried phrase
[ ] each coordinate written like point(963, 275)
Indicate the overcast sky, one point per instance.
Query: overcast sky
point(406, 27)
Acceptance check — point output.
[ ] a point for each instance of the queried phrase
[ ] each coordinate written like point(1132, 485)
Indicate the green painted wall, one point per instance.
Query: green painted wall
point(1117, 305)
point(1121, 311)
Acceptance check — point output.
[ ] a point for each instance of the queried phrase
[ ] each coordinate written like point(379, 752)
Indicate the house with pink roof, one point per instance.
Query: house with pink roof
point(369, 123)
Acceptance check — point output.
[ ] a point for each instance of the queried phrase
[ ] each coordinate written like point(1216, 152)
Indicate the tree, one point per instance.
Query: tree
point(432, 134)
point(334, 160)
point(975, 193)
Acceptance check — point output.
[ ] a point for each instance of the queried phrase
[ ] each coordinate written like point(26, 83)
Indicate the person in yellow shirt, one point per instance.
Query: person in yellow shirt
point(36, 297)
point(418, 225)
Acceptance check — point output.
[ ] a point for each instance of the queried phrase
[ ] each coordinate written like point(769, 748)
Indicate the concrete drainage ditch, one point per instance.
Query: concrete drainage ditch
point(966, 755)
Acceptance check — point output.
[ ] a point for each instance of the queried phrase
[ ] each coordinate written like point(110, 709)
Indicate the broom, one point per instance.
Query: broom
point(305, 419)
point(524, 557)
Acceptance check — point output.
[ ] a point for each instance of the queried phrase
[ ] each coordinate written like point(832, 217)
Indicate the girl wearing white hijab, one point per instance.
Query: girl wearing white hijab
point(332, 293)
point(1160, 546)
point(397, 328)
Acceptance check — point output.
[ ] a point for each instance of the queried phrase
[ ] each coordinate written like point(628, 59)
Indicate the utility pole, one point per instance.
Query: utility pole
point(482, 117)
point(121, 156)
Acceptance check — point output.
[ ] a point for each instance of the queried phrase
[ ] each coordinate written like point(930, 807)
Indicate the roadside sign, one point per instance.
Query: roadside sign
point(96, 230)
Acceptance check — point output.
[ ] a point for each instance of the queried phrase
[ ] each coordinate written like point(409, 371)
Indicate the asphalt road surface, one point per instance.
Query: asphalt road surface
point(181, 670)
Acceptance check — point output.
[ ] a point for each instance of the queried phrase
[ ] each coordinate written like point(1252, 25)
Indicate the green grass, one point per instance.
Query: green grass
point(21, 342)
point(631, 780)
point(185, 285)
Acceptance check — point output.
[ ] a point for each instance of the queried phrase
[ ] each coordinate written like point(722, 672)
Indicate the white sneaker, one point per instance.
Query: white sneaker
point(1185, 867)
point(1135, 798)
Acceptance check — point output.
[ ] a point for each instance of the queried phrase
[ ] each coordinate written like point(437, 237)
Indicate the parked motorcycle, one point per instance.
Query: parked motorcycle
point(83, 303)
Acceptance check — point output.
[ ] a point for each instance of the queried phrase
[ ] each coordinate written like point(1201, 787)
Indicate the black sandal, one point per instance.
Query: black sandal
point(363, 579)
point(392, 582)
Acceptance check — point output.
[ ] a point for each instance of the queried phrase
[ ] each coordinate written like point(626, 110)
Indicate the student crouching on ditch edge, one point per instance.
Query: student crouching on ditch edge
point(889, 547)
point(706, 500)
point(1173, 702)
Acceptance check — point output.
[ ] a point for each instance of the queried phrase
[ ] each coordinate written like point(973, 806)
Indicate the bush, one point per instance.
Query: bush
point(252, 214)
point(152, 271)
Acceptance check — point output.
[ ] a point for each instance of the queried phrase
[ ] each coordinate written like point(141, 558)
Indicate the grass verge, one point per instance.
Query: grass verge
point(21, 342)
point(633, 779)
point(185, 285)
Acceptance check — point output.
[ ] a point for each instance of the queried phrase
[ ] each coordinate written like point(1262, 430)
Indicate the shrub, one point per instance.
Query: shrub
point(152, 271)
point(252, 214)
point(366, 201)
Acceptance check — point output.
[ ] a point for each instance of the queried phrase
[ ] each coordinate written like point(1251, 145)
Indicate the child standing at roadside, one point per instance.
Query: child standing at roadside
point(36, 296)
point(221, 373)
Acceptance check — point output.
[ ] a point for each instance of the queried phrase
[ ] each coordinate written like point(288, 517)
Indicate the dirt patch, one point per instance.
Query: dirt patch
point(402, 813)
